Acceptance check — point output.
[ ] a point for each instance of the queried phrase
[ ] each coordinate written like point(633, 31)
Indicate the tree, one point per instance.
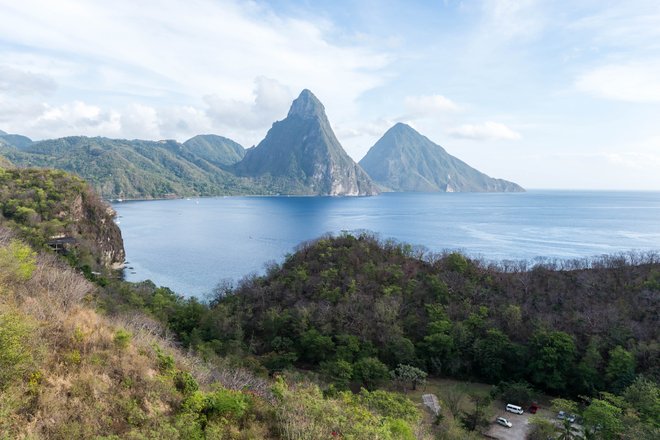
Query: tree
point(587, 376)
point(644, 396)
point(478, 416)
point(620, 371)
point(405, 374)
point(519, 393)
point(370, 371)
point(542, 429)
point(339, 372)
point(491, 354)
point(602, 420)
point(552, 357)
point(316, 347)
point(453, 397)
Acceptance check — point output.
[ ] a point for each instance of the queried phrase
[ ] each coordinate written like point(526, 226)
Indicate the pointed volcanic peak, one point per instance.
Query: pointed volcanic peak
point(403, 160)
point(301, 155)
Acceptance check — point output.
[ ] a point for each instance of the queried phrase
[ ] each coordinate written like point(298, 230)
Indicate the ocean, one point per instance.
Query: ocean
point(190, 245)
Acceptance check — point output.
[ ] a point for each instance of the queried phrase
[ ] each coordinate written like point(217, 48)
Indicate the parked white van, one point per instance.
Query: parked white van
point(514, 408)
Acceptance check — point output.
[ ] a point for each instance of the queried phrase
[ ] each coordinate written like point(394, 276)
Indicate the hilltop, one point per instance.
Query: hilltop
point(404, 160)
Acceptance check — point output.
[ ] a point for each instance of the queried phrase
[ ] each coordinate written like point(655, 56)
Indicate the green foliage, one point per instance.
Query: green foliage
point(303, 413)
point(603, 419)
point(482, 323)
point(185, 383)
point(122, 338)
point(315, 347)
point(16, 357)
point(407, 374)
point(552, 357)
point(620, 371)
point(165, 361)
point(519, 393)
point(338, 372)
point(478, 415)
point(456, 262)
point(370, 372)
point(17, 262)
point(144, 169)
point(542, 429)
point(389, 404)
point(643, 396)
point(43, 204)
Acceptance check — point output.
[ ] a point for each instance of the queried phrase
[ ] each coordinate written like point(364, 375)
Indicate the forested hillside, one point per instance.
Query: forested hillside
point(50, 207)
point(76, 364)
point(118, 168)
point(567, 330)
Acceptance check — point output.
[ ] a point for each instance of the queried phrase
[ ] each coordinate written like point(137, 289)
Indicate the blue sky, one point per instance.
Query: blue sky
point(550, 94)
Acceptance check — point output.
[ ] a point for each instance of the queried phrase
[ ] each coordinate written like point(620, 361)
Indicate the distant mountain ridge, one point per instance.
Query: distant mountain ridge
point(136, 169)
point(302, 153)
point(406, 161)
point(15, 140)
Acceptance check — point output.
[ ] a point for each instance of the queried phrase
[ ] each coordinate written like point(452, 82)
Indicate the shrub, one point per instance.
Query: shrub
point(15, 342)
point(122, 338)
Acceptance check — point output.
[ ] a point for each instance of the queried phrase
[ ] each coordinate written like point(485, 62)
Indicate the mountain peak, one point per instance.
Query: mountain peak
point(402, 127)
point(405, 160)
point(306, 106)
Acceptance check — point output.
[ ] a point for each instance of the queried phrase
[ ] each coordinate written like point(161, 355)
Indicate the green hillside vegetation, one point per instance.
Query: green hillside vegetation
point(138, 169)
point(357, 311)
point(15, 140)
point(404, 160)
point(214, 149)
point(346, 301)
point(68, 372)
point(47, 204)
point(74, 365)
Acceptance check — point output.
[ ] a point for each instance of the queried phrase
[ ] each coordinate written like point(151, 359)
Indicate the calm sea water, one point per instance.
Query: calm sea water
point(191, 245)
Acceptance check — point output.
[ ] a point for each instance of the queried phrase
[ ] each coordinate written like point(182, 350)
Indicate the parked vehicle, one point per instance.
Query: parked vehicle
point(514, 408)
point(504, 422)
point(570, 417)
point(533, 408)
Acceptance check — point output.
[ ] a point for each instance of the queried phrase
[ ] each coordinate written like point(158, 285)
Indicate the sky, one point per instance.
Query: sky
point(547, 93)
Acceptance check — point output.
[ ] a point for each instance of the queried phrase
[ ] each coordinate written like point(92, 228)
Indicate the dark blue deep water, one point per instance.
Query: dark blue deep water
point(191, 245)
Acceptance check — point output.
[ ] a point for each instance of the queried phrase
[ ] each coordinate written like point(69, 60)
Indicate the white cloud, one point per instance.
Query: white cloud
point(75, 118)
point(633, 82)
point(271, 101)
point(173, 54)
point(487, 131)
point(428, 105)
point(19, 82)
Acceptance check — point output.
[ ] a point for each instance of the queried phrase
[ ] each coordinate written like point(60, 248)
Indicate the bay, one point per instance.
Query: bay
point(190, 245)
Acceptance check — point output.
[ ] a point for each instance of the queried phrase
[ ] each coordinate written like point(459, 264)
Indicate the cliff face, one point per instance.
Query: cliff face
point(55, 208)
point(95, 224)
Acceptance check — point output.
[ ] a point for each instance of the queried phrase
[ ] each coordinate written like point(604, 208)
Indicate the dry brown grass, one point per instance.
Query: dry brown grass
point(83, 383)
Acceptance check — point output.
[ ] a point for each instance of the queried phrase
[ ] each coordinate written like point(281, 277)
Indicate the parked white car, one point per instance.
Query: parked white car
point(514, 408)
point(504, 422)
